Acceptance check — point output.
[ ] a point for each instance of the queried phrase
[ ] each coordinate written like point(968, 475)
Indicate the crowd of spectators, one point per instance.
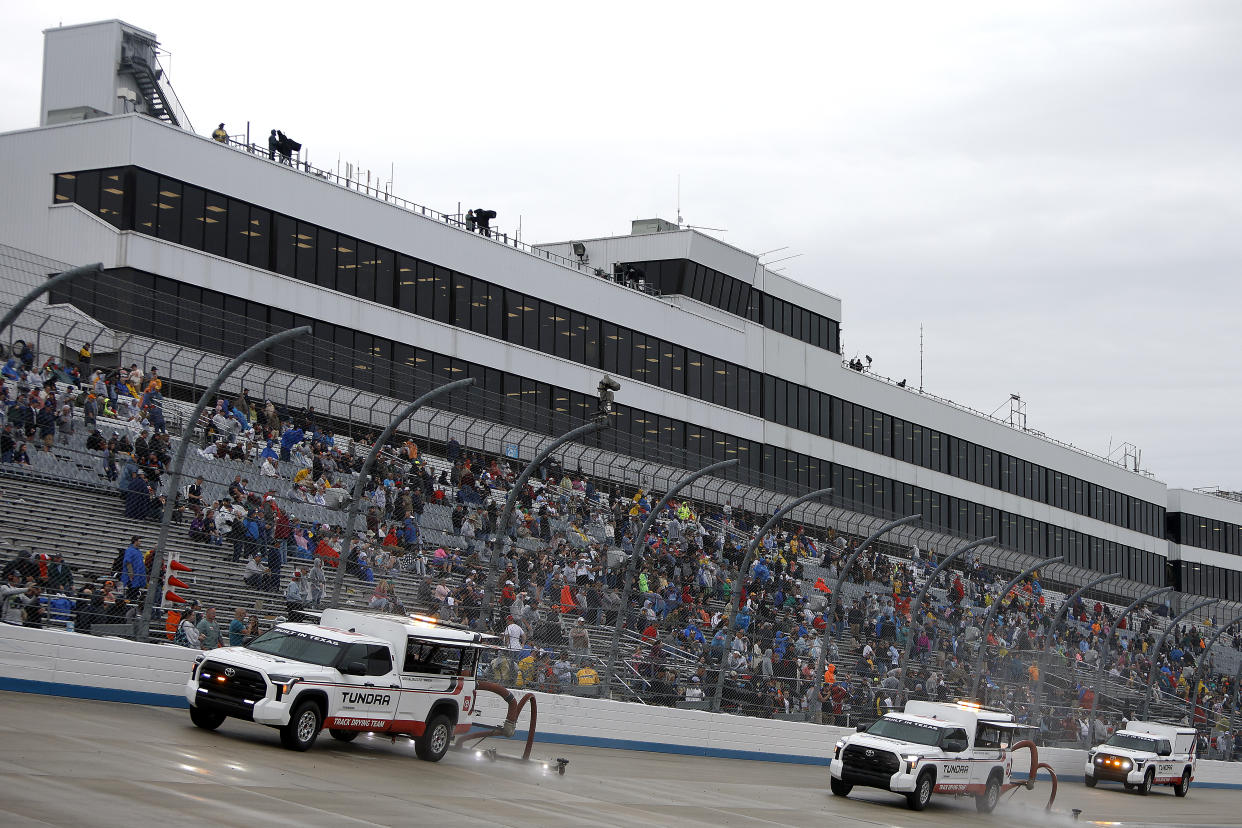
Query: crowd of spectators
point(562, 573)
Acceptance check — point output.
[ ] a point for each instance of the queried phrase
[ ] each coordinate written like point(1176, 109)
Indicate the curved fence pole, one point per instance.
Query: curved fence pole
point(834, 601)
point(1155, 653)
point(1099, 672)
point(639, 550)
point(355, 498)
point(918, 602)
point(991, 616)
point(1207, 651)
point(174, 472)
point(1237, 693)
point(1060, 619)
point(45, 286)
point(736, 596)
point(501, 530)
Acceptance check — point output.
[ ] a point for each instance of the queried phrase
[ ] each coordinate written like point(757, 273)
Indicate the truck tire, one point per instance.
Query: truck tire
point(205, 718)
point(305, 722)
point(917, 799)
point(839, 786)
point(343, 735)
point(434, 742)
point(1090, 780)
point(985, 802)
point(1182, 788)
point(1144, 787)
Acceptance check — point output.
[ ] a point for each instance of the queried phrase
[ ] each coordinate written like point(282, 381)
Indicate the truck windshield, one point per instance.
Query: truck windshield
point(1125, 740)
point(296, 645)
point(903, 731)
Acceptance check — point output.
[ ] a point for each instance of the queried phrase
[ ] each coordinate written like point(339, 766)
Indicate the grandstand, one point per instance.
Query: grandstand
point(88, 526)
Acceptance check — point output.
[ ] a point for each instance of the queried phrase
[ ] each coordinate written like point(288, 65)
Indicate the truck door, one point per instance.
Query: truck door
point(954, 772)
point(431, 671)
point(368, 691)
point(989, 747)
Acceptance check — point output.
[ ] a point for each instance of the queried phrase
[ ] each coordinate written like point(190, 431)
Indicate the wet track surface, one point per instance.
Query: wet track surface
point(84, 763)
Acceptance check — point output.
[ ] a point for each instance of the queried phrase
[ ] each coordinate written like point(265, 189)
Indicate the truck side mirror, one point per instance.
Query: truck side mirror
point(860, 729)
point(955, 745)
point(1164, 752)
point(355, 668)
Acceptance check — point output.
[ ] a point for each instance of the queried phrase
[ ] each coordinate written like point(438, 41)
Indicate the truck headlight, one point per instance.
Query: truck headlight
point(283, 684)
point(840, 744)
point(912, 759)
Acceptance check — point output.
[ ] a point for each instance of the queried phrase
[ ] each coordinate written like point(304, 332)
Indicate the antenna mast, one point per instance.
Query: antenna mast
point(679, 199)
point(920, 357)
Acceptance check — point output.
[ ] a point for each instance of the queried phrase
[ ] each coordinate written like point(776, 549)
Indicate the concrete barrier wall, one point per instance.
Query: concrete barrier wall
point(55, 662)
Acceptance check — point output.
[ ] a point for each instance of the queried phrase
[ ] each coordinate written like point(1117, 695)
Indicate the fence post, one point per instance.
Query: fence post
point(501, 530)
point(835, 600)
point(1151, 670)
point(360, 481)
point(991, 616)
point(639, 550)
point(918, 602)
point(735, 597)
point(174, 475)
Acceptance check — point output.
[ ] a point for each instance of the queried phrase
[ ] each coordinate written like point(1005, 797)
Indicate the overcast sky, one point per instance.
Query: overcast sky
point(1054, 190)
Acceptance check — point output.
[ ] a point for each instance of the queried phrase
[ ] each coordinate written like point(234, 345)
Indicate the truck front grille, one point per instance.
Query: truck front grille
point(231, 684)
point(868, 766)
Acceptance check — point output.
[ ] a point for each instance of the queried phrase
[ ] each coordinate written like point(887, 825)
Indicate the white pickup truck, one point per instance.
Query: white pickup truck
point(931, 747)
point(1143, 754)
point(353, 672)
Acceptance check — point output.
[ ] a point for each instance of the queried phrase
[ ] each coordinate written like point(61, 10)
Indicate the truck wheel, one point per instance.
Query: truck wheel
point(839, 786)
point(343, 735)
point(304, 725)
point(985, 802)
point(918, 798)
point(1182, 788)
point(1090, 780)
point(434, 742)
point(206, 719)
point(1144, 787)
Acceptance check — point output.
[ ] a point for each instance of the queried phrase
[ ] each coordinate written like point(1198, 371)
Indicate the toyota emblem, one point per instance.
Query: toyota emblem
point(230, 672)
point(870, 752)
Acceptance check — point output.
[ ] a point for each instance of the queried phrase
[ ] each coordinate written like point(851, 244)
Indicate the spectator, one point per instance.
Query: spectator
point(256, 572)
point(133, 569)
point(316, 583)
point(208, 630)
point(59, 576)
point(11, 604)
point(237, 628)
point(587, 676)
point(295, 599)
point(187, 632)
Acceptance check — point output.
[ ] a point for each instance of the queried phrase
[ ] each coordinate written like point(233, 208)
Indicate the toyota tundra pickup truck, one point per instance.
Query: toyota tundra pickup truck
point(1143, 754)
point(352, 672)
point(930, 747)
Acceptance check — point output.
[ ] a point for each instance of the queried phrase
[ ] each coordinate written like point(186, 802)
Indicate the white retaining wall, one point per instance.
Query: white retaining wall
point(62, 663)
